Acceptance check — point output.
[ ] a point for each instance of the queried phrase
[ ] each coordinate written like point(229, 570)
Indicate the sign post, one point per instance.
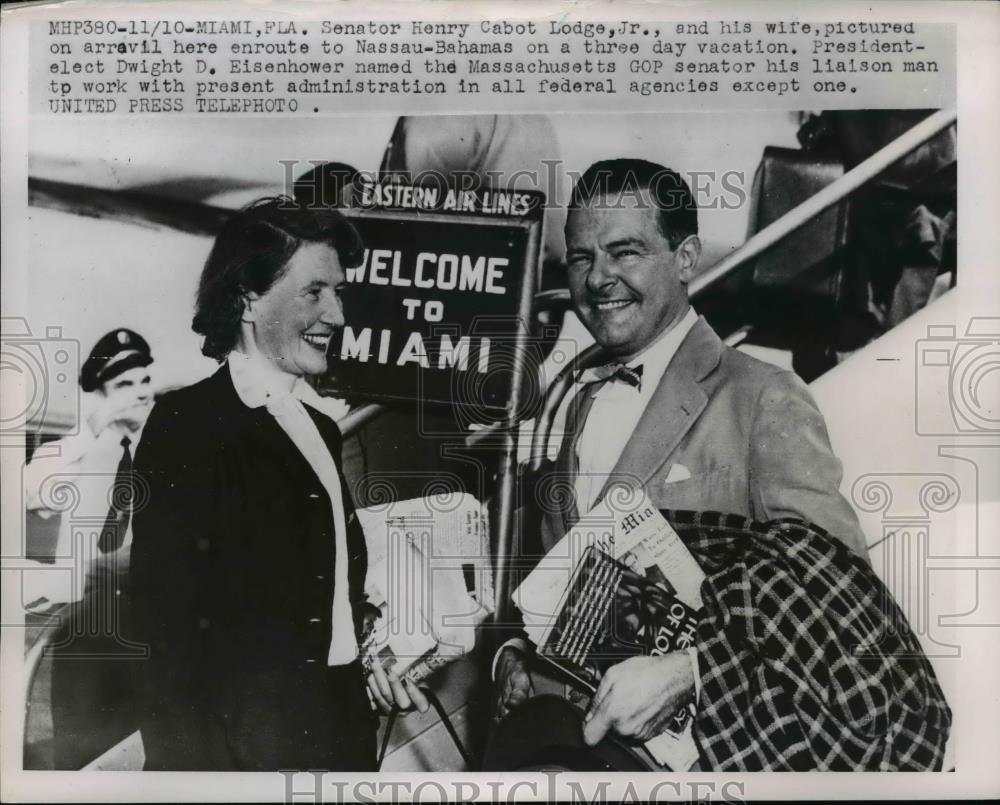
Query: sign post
point(439, 315)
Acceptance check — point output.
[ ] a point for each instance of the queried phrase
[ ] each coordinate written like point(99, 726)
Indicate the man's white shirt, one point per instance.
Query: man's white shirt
point(616, 412)
point(73, 477)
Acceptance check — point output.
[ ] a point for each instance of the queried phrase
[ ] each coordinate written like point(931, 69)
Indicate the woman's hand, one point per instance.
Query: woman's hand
point(388, 690)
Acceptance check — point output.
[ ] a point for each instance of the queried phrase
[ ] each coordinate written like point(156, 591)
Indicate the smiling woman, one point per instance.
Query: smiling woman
point(247, 561)
point(292, 322)
point(269, 240)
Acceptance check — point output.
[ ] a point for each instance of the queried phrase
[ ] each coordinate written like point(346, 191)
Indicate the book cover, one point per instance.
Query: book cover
point(609, 613)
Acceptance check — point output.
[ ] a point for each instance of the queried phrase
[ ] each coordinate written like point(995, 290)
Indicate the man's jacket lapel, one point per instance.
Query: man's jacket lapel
point(674, 407)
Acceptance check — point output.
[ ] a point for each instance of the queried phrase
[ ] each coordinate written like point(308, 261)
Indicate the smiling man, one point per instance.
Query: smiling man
point(700, 425)
point(697, 424)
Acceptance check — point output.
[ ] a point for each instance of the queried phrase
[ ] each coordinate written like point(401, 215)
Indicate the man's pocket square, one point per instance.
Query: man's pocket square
point(678, 472)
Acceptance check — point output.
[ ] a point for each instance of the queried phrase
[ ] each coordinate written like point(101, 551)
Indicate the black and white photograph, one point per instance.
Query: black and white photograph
point(403, 395)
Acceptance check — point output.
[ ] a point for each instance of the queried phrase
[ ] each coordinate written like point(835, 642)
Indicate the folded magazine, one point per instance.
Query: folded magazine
point(620, 584)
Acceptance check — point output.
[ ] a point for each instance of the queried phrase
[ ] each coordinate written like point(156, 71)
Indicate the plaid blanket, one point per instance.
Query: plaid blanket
point(806, 661)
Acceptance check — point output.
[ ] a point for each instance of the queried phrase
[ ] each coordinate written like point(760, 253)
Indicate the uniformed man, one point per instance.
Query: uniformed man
point(87, 477)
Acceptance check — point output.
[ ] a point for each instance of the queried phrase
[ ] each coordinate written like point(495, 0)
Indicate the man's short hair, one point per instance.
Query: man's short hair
point(251, 253)
point(678, 213)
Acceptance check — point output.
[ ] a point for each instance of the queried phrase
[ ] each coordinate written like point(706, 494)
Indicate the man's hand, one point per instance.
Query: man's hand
point(387, 689)
point(513, 682)
point(120, 409)
point(637, 698)
point(133, 417)
point(103, 414)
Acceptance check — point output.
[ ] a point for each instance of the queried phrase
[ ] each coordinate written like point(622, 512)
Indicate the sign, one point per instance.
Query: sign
point(438, 311)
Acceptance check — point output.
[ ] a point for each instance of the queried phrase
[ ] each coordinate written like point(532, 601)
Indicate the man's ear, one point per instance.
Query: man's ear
point(688, 255)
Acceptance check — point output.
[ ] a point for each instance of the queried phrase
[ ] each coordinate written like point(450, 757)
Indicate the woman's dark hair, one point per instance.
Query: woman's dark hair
point(252, 252)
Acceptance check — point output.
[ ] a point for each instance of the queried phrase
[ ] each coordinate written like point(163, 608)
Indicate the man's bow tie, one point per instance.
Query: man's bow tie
point(619, 371)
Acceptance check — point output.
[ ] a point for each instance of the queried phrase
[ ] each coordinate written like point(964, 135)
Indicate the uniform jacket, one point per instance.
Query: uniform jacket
point(232, 578)
point(72, 480)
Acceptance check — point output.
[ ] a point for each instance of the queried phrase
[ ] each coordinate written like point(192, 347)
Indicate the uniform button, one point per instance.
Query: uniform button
point(310, 660)
point(321, 577)
point(314, 620)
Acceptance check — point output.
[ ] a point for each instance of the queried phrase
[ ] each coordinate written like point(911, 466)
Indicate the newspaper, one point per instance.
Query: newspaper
point(429, 575)
point(450, 530)
point(642, 540)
